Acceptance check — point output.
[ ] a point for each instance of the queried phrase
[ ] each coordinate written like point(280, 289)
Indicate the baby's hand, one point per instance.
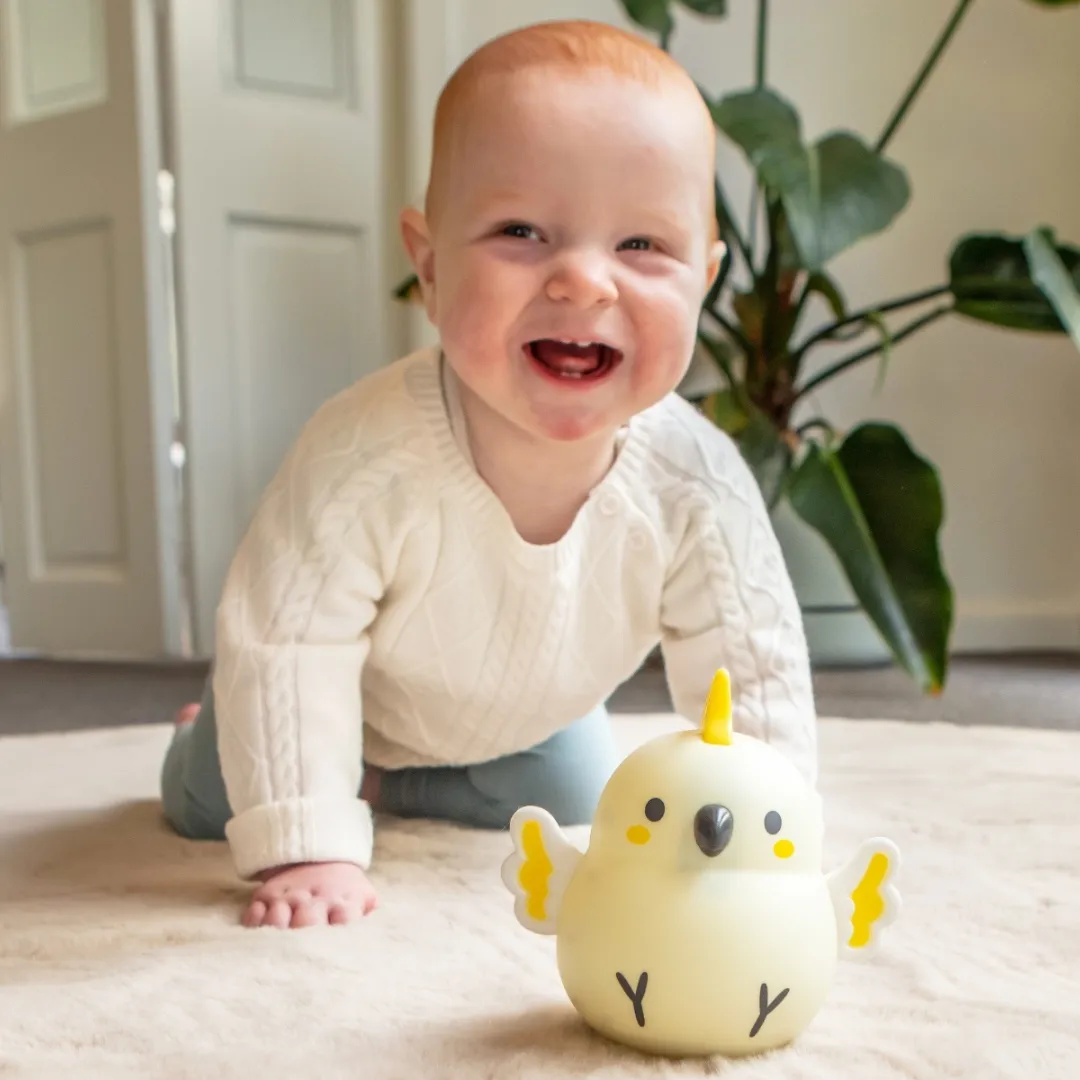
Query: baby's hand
point(311, 894)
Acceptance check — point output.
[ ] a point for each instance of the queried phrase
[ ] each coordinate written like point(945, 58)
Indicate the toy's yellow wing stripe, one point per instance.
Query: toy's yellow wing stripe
point(535, 872)
point(869, 901)
point(539, 869)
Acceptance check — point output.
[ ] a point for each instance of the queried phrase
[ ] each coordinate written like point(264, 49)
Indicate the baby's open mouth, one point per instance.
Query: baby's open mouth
point(574, 360)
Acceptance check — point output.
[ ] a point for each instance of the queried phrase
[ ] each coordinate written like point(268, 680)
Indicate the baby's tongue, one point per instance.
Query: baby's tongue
point(567, 359)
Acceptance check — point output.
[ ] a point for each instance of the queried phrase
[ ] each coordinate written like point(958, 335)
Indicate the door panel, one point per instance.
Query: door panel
point(284, 295)
point(78, 457)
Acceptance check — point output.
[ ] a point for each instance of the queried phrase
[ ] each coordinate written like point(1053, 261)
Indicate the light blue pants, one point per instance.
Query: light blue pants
point(565, 775)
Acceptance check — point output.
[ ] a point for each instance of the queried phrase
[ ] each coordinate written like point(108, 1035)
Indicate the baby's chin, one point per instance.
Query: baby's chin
point(577, 418)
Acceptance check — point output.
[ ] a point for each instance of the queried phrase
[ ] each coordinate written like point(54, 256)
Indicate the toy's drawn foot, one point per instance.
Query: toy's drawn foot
point(764, 1008)
point(637, 996)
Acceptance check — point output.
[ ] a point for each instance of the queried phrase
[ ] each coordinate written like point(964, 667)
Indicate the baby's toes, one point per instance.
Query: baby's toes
point(309, 913)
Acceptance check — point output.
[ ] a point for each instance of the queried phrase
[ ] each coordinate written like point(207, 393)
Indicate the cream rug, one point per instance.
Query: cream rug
point(120, 953)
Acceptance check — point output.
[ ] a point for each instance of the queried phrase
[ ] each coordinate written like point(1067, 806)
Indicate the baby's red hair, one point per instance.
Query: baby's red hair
point(570, 48)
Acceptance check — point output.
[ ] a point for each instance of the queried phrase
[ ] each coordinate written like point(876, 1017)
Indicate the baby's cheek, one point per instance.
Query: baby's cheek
point(667, 343)
point(475, 309)
point(465, 331)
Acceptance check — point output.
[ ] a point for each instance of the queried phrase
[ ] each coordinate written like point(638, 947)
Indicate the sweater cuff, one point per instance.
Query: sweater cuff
point(300, 831)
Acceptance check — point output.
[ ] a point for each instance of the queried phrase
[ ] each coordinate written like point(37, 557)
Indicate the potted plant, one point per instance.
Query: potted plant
point(872, 498)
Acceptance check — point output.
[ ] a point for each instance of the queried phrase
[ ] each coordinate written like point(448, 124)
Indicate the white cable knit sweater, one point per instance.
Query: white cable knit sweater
point(382, 607)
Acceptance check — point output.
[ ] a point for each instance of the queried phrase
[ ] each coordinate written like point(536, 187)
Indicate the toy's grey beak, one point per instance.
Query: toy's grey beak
point(713, 826)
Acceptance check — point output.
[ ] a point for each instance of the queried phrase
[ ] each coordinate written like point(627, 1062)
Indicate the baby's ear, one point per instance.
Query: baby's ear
point(716, 256)
point(418, 244)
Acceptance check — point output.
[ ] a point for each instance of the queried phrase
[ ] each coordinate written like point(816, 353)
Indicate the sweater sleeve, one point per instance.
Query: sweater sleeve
point(292, 638)
point(729, 602)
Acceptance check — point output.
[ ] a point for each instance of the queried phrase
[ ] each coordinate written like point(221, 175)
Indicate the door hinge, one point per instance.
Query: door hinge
point(166, 185)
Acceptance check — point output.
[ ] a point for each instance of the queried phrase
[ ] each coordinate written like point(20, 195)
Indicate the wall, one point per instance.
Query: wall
point(993, 144)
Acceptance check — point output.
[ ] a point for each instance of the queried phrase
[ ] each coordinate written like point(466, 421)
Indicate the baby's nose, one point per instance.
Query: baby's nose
point(713, 826)
point(583, 279)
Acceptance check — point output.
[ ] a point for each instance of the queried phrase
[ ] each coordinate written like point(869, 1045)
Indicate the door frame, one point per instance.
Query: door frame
point(164, 516)
point(164, 356)
point(431, 48)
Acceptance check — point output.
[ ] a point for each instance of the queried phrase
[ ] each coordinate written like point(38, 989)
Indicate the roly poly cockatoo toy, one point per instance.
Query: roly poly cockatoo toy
point(699, 920)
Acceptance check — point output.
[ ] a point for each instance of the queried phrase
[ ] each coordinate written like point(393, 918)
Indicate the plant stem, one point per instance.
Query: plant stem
point(924, 73)
point(760, 57)
point(775, 336)
point(819, 422)
point(762, 41)
point(722, 363)
point(754, 214)
point(866, 313)
point(717, 286)
point(727, 224)
point(873, 350)
point(732, 330)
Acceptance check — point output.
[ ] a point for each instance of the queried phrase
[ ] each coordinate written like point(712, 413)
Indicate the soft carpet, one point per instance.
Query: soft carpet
point(121, 957)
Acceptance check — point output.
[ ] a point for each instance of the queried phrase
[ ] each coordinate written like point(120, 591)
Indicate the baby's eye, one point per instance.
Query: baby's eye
point(519, 230)
point(654, 809)
point(773, 822)
point(636, 243)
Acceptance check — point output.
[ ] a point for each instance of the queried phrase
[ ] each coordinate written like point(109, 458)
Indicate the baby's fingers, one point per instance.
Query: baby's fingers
point(278, 914)
point(347, 911)
point(254, 914)
point(309, 913)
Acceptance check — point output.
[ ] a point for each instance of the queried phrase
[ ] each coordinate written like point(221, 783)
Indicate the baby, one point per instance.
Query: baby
point(465, 553)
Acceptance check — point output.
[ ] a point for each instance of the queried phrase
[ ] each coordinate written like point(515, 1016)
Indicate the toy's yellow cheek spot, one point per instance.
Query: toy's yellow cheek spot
point(783, 849)
point(637, 834)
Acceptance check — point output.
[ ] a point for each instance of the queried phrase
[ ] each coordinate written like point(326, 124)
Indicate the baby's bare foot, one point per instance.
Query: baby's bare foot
point(311, 894)
point(187, 714)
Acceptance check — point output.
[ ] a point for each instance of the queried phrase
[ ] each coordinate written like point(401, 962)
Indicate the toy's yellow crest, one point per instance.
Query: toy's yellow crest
point(716, 723)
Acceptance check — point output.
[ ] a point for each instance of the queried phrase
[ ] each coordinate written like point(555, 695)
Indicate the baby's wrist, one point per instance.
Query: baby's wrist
point(263, 876)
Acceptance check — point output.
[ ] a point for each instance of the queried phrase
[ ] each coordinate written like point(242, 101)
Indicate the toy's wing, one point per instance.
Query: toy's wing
point(864, 898)
point(539, 869)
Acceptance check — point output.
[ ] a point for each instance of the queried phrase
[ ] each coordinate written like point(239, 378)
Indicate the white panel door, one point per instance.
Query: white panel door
point(86, 539)
point(283, 294)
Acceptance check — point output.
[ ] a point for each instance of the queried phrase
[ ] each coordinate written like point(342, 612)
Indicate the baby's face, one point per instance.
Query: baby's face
point(573, 211)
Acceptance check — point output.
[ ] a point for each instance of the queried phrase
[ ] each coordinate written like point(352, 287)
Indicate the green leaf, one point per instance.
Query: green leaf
point(409, 289)
point(878, 322)
point(788, 259)
point(759, 122)
point(712, 8)
point(1049, 273)
point(767, 453)
point(990, 277)
point(836, 192)
point(759, 440)
point(1055, 3)
point(654, 15)
point(725, 411)
point(828, 288)
point(879, 507)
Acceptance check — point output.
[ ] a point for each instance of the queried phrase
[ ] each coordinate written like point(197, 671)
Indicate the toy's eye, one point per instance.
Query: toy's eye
point(654, 809)
point(773, 822)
